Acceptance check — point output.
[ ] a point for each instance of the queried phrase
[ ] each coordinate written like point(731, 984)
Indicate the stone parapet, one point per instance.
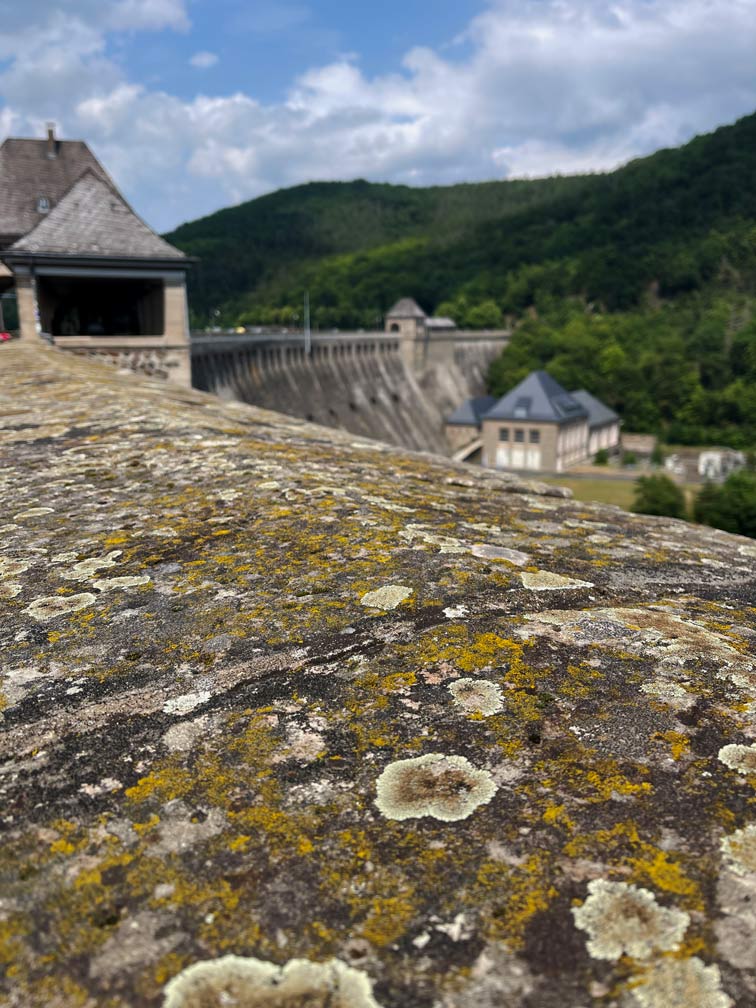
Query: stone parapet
point(290, 716)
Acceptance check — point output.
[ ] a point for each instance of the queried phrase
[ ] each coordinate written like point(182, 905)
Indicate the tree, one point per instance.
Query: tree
point(658, 495)
point(731, 506)
point(486, 315)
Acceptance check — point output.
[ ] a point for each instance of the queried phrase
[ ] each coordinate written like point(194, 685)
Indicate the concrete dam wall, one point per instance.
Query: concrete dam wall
point(374, 385)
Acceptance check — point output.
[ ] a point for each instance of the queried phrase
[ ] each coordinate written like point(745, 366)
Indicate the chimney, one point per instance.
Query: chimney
point(52, 144)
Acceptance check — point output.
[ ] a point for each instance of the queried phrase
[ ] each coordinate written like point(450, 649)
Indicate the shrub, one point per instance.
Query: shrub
point(629, 458)
point(731, 506)
point(658, 495)
point(601, 457)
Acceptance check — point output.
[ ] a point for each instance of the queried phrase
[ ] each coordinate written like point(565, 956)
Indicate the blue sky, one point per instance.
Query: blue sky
point(262, 47)
point(193, 105)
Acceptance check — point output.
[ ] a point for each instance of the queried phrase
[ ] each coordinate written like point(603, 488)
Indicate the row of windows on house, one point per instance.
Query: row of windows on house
point(519, 435)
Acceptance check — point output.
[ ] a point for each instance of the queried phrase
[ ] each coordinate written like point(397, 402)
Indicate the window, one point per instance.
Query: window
point(535, 437)
point(43, 204)
point(503, 433)
point(522, 408)
point(520, 436)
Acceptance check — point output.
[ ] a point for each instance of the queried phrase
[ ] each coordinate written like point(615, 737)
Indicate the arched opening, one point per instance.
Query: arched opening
point(394, 327)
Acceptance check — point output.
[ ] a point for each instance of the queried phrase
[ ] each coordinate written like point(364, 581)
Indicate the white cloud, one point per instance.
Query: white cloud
point(538, 86)
point(136, 15)
point(203, 60)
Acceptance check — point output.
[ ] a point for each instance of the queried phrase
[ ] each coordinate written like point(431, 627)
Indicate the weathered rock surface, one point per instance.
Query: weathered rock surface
point(200, 695)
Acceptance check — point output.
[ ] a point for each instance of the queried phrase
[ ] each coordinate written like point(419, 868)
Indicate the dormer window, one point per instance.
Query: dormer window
point(522, 408)
point(43, 204)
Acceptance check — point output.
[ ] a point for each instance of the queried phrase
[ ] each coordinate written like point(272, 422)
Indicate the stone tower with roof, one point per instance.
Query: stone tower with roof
point(89, 274)
point(408, 321)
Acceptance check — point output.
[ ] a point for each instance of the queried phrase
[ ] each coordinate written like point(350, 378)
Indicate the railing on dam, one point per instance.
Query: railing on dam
point(203, 342)
point(271, 350)
point(289, 347)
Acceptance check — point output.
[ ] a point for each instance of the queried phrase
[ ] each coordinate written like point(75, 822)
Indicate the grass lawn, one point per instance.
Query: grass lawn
point(609, 491)
point(604, 491)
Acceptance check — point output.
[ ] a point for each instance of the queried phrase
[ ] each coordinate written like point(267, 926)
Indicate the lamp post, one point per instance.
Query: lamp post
point(307, 334)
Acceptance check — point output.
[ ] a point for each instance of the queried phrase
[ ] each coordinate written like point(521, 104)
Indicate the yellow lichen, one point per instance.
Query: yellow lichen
point(515, 895)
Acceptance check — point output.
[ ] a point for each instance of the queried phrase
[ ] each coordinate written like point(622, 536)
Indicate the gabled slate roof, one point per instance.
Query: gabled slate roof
point(441, 322)
point(92, 219)
point(538, 398)
point(599, 415)
point(406, 308)
point(470, 413)
point(27, 172)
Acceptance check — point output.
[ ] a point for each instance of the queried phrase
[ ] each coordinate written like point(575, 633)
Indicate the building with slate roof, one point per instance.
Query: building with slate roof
point(538, 425)
point(603, 423)
point(464, 424)
point(89, 274)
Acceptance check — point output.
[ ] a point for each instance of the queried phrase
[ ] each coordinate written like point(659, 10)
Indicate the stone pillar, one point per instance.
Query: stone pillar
point(411, 342)
point(26, 297)
point(176, 330)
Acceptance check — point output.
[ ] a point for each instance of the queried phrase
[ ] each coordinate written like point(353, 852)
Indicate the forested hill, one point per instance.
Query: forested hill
point(256, 258)
point(668, 219)
point(639, 285)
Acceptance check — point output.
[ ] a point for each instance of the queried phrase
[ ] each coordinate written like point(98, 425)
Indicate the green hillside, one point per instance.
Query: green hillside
point(639, 285)
point(260, 254)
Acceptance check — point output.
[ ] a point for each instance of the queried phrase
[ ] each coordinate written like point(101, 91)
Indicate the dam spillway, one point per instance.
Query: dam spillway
point(365, 383)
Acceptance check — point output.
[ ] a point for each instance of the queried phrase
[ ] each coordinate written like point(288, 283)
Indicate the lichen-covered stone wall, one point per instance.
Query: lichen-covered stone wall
point(291, 717)
point(170, 363)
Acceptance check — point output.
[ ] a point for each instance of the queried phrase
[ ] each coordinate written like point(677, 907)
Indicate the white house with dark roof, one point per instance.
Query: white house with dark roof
point(89, 274)
point(537, 426)
point(603, 424)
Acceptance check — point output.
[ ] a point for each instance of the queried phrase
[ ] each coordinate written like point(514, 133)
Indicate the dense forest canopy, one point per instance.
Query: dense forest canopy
point(257, 259)
point(639, 285)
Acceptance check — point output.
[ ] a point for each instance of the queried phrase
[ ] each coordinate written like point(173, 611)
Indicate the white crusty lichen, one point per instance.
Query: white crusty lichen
point(60, 558)
point(119, 583)
point(59, 605)
point(670, 693)
point(477, 696)
point(681, 983)
point(485, 551)
point(184, 704)
point(739, 757)
point(388, 597)
point(739, 850)
point(625, 919)
point(547, 581)
point(444, 787)
point(11, 568)
point(85, 569)
point(253, 983)
point(33, 512)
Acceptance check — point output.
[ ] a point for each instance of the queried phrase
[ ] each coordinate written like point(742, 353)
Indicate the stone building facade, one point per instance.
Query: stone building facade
point(89, 274)
point(537, 426)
